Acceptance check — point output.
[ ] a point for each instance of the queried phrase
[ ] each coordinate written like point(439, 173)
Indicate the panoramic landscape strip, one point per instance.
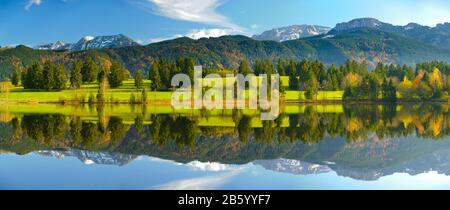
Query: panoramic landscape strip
point(300, 81)
point(193, 95)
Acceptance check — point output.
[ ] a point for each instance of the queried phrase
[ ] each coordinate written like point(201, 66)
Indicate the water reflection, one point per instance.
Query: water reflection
point(364, 142)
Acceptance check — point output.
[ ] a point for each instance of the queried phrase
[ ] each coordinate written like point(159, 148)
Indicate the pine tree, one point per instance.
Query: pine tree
point(311, 86)
point(155, 76)
point(244, 68)
point(293, 81)
point(75, 75)
point(48, 74)
point(117, 74)
point(60, 78)
point(139, 79)
point(101, 76)
point(389, 92)
point(164, 73)
point(144, 96)
point(15, 77)
point(281, 67)
point(89, 70)
point(186, 66)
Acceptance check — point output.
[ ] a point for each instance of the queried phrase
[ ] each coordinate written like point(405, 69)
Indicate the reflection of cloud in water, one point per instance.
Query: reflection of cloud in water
point(200, 183)
point(207, 166)
point(159, 160)
point(293, 166)
point(197, 165)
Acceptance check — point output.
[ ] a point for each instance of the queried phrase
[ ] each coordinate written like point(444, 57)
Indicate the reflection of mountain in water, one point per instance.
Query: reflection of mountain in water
point(318, 161)
point(293, 166)
point(438, 161)
point(363, 142)
point(88, 157)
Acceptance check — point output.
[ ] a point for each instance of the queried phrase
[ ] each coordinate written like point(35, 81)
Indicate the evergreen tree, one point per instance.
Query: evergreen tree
point(139, 79)
point(293, 77)
point(101, 76)
point(281, 67)
point(144, 96)
point(311, 86)
point(165, 73)
point(60, 78)
point(155, 76)
point(304, 73)
point(322, 74)
point(75, 75)
point(389, 91)
point(32, 77)
point(48, 81)
point(117, 74)
point(89, 70)
point(15, 77)
point(186, 66)
point(244, 68)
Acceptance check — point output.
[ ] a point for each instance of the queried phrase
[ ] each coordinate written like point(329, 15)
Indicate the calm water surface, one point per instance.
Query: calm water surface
point(307, 147)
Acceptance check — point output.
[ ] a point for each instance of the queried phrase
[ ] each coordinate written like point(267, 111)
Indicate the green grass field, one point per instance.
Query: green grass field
point(321, 96)
point(123, 94)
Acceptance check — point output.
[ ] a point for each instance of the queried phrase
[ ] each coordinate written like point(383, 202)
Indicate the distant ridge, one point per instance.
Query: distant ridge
point(88, 42)
point(292, 32)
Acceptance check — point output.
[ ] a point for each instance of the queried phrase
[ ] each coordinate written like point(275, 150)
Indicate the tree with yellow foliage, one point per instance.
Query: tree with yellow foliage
point(435, 79)
point(352, 79)
point(406, 88)
point(436, 83)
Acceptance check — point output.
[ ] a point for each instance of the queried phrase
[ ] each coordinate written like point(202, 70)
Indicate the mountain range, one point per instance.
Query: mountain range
point(89, 42)
point(292, 32)
point(366, 160)
point(364, 39)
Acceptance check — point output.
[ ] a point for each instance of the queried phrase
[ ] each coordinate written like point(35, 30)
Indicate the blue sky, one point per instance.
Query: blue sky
point(33, 22)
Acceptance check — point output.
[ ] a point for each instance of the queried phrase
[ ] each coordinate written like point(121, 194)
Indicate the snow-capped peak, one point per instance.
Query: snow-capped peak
point(90, 42)
point(292, 32)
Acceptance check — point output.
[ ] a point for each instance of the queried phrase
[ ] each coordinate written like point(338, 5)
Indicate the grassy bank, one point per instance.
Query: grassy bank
point(124, 93)
point(120, 95)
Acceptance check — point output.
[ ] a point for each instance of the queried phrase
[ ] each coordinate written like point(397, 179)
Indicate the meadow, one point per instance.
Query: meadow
point(123, 94)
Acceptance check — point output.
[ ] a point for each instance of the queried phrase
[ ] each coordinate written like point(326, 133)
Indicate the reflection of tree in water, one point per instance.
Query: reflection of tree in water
point(75, 130)
point(356, 123)
point(311, 127)
point(139, 125)
point(244, 128)
point(89, 133)
point(266, 133)
point(44, 128)
point(182, 130)
point(16, 129)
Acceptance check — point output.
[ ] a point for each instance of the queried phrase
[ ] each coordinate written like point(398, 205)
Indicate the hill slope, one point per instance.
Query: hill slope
point(368, 44)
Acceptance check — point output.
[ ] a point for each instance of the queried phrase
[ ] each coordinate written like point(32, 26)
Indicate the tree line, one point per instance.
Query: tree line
point(387, 82)
point(50, 76)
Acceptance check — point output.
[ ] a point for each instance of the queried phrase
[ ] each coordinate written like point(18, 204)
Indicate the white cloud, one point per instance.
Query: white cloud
point(197, 34)
point(206, 33)
point(207, 166)
point(30, 3)
point(200, 183)
point(160, 39)
point(198, 11)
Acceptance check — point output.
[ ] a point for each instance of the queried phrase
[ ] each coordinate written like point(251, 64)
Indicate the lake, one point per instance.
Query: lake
point(339, 146)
